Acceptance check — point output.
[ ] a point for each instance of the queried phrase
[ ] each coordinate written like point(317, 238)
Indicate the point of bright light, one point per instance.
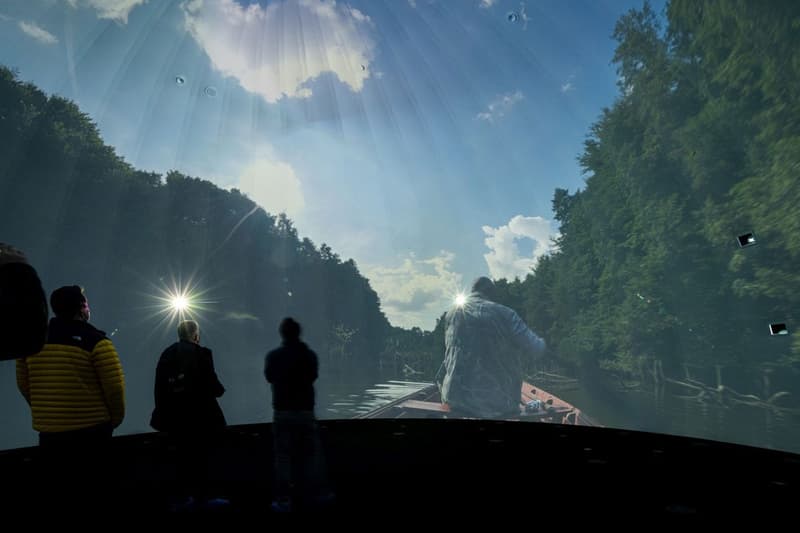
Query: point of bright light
point(461, 300)
point(180, 303)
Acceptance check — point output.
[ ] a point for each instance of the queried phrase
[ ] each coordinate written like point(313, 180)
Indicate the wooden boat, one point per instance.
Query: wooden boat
point(536, 405)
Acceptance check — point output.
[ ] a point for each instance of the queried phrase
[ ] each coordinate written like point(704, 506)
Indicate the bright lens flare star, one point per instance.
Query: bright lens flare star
point(176, 300)
point(461, 300)
point(180, 303)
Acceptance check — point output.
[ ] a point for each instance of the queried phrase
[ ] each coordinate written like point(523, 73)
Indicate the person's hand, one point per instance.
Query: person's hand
point(9, 254)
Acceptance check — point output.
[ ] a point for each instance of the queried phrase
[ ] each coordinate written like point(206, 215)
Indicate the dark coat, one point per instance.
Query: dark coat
point(292, 370)
point(186, 390)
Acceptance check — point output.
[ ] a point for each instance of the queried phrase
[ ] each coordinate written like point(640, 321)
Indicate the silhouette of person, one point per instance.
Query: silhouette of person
point(485, 348)
point(23, 306)
point(186, 407)
point(291, 370)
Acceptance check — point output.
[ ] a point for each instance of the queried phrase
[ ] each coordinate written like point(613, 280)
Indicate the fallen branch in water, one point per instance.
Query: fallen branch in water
point(547, 376)
point(723, 394)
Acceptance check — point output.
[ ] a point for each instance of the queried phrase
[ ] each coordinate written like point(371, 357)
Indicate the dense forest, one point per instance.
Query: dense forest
point(702, 145)
point(85, 216)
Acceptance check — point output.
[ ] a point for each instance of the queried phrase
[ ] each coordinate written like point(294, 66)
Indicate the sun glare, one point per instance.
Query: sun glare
point(180, 303)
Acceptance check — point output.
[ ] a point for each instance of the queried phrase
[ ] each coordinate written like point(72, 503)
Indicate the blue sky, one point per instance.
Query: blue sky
point(422, 138)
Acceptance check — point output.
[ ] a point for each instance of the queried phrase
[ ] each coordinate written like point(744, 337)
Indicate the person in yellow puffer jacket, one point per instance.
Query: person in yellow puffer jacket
point(75, 385)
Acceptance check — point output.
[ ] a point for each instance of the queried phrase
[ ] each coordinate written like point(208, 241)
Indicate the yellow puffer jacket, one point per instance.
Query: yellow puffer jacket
point(75, 382)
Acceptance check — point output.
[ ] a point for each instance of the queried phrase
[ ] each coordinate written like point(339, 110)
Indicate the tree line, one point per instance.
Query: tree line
point(701, 146)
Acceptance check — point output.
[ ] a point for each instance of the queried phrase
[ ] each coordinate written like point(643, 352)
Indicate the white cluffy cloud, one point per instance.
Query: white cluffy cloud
point(504, 258)
point(501, 105)
point(37, 32)
point(117, 10)
point(273, 185)
point(568, 86)
point(275, 50)
point(486, 4)
point(417, 291)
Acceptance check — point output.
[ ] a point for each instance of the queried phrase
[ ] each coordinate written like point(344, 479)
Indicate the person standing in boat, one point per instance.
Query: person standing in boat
point(291, 370)
point(486, 345)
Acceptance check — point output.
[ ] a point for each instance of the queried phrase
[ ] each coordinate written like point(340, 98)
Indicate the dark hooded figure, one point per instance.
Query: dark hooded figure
point(291, 370)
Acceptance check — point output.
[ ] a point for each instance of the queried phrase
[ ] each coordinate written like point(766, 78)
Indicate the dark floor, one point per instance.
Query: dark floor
point(405, 468)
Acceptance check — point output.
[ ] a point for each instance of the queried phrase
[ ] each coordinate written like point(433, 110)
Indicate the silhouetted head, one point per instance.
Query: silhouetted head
point(9, 254)
point(484, 287)
point(70, 303)
point(189, 330)
point(289, 330)
point(23, 306)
